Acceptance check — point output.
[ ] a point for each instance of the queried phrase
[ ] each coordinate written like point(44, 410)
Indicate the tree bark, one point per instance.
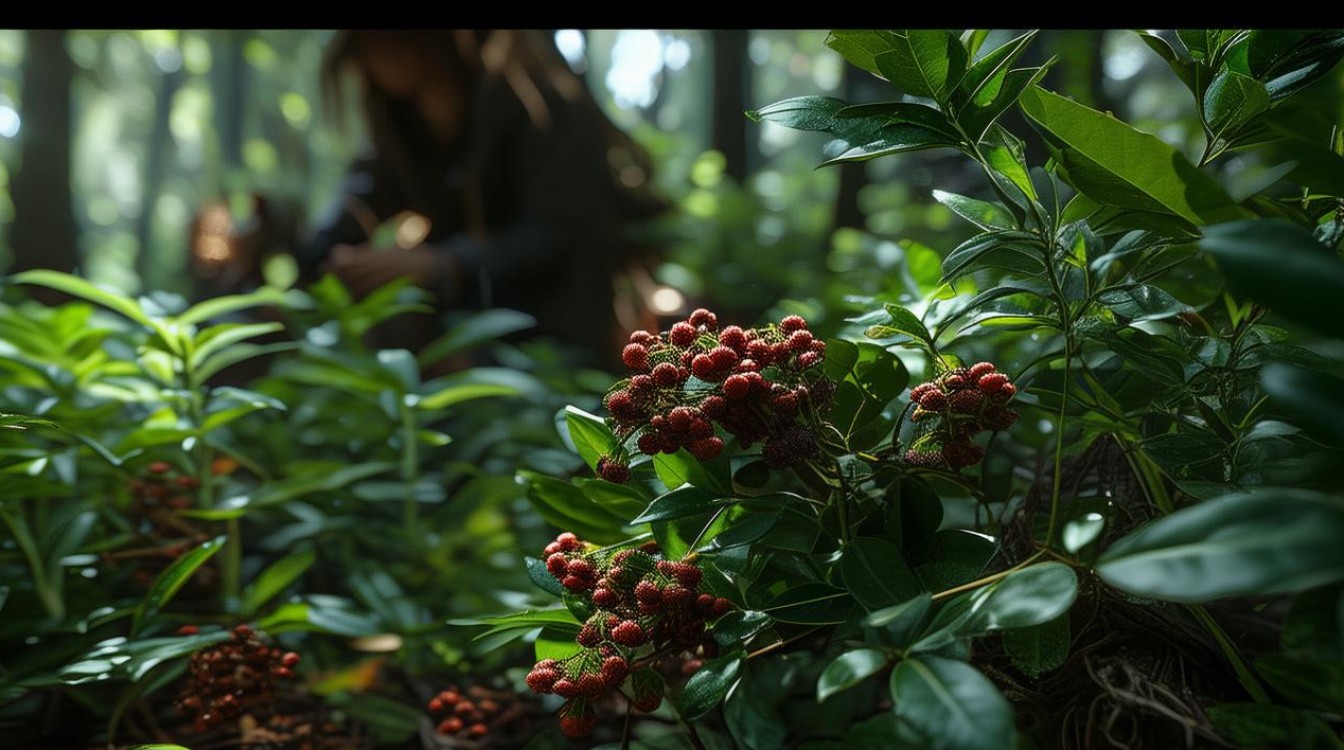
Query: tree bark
point(731, 71)
point(44, 234)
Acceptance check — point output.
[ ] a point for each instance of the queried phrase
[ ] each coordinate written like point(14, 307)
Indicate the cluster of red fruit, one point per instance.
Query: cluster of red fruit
point(758, 384)
point(644, 608)
point(955, 407)
point(468, 714)
point(161, 487)
point(232, 677)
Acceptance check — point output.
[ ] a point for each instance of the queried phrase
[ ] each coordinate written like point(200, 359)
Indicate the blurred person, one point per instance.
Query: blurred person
point(524, 187)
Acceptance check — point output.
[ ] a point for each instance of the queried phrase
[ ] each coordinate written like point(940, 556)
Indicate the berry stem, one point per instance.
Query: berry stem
point(1057, 479)
point(977, 583)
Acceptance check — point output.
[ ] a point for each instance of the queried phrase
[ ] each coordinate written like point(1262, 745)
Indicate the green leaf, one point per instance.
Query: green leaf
point(860, 47)
point(923, 62)
point(1315, 623)
point(676, 469)
point(679, 503)
point(218, 306)
point(475, 330)
point(739, 626)
point(159, 747)
point(624, 501)
point(801, 112)
point(876, 574)
point(848, 670)
point(565, 506)
point(1031, 596)
point(1262, 541)
point(1316, 399)
point(75, 286)
point(1079, 532)
point(1262, 724)
point(1116, 165)
point(708, 686)
point(1288, 60)
point(1040, 648)
point(1019, 252)
point(1233, 100)
point(1280, 265)
point(1139, 303)
point(984, 80)
point(389, 721)
point(589, 434)
point(1308, 682)
point(456, 394)
point(275, 579)
point(536, 570)
point(172, 579)
point(988, 216)
point(952, 704)
point(220, 337)
point(901, 623)
point(900, 322)
point(811, 604)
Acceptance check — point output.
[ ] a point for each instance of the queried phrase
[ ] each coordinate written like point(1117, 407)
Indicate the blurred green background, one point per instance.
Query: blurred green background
point(111, 142)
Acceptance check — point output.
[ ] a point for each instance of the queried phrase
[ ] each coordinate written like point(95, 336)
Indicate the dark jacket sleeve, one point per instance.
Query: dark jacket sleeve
point(366, 194)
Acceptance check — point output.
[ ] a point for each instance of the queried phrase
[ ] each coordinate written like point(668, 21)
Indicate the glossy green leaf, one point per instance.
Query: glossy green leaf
point(876, 574)
point(275, 579)
point(801, 112)
point(173, 578)
point(1030, 596)
point(900, 322)
point(899, 624)
point(588, 433)
point(1280, 265)
point(984, 80)
point(1039, 648)
point(1233, 100)
point(739, 626)
point(1308, 682)
point(536, 570)
point(624, 501)
point(849, 669)
point(708, 686)
point(1116, 165)
point(679, 503)
point(1314, 398)
point(983, 214)
point(1138, 303)
point(862, 46)
point(951, 704)
point(1262, 541)
point(565, 506)
point(811, 604)
point(1289, 60)
point(923, 62)
point(1080, 532)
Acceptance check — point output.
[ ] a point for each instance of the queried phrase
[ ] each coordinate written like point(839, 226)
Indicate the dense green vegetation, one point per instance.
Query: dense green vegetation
point(1064, 474)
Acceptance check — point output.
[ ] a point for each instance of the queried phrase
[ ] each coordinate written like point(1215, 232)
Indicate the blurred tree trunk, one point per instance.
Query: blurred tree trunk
point(731, 69)
point(853, 175)
point(160, 143)
point(44, 234)
point(228, 78)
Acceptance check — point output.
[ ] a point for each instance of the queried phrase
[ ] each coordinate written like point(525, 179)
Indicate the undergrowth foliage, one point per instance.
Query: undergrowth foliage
point(1105, 434)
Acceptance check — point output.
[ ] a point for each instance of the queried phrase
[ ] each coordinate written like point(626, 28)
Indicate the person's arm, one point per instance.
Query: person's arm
point(364, 200)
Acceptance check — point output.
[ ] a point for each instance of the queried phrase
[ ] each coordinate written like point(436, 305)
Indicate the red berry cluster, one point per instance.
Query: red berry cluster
point(954, 408)
point(231, 677)
point(470, 714)
point(162, 487)
point(757, 384)
point(643, 607)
